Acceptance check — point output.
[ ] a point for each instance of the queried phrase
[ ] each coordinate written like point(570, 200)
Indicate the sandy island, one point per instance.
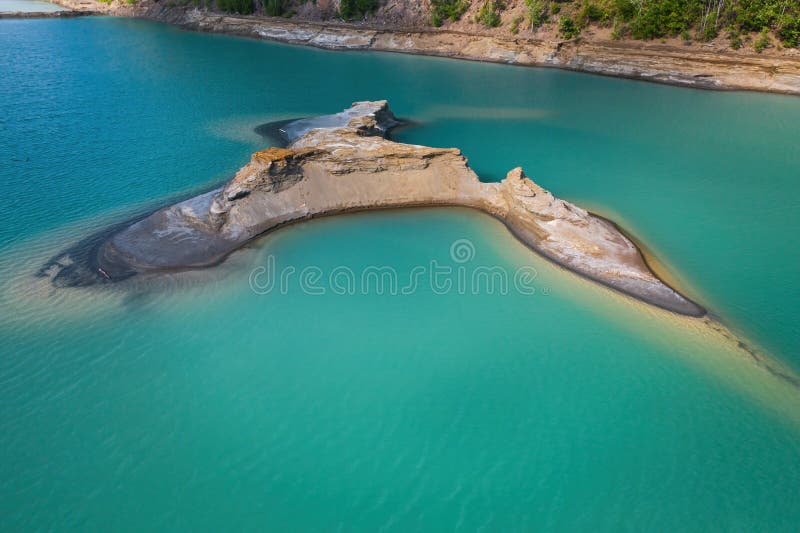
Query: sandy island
point(344, 163)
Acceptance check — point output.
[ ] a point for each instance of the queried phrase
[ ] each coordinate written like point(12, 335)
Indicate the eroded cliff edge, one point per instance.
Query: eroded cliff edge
point(344, 162)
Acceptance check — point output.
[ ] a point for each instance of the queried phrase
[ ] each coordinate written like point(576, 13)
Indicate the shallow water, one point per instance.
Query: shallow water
point(191, 401)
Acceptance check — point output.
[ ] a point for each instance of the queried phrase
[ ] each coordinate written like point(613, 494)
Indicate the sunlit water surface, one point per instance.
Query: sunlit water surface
point(191, 401)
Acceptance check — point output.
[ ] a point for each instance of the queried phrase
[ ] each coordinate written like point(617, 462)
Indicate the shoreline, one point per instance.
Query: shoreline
point(733, 335)
point(87, 250)
point(639, 60)
point(654, 63)
point(344, 163)
point(46, 14)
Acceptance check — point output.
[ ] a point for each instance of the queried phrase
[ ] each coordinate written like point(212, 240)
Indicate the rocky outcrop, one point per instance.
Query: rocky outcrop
point(344, 162)
point(580, 241)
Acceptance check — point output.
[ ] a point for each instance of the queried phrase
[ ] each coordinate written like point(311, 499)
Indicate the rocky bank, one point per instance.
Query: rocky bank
point(45, 15)
point(343, 163)
point(636, 60)
point(699, 66)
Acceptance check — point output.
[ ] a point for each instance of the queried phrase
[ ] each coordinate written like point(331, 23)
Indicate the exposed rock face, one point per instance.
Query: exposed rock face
point(343, 162)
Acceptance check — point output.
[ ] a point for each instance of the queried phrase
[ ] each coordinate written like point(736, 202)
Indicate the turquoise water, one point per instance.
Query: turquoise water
point(192, 402)
point(29, 6)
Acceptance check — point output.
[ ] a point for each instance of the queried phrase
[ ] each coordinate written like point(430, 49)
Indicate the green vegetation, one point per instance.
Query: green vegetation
point(274, 8)
point(708, 32)
point(567, 28)
point(735, 38)
point(447, 10)
point(763, 41)
point(537, 12)
point(657, 19)
point(619, 31)
point(489, 13)
point(789, 31)
point(356, 9)
point(242, 7)
point(515, 24)
point(592, 12)
point(703, 20)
